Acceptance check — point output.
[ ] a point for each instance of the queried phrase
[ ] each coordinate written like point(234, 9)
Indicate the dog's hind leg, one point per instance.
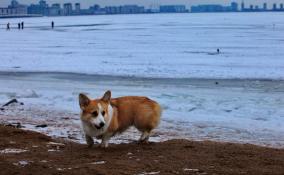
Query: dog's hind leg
point(145, 137)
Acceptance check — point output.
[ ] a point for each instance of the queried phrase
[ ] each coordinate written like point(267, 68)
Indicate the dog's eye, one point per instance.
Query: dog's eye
point(103, 113)
point(95, 113)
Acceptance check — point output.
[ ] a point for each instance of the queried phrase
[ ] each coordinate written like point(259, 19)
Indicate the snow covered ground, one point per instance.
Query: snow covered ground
point(169, 57)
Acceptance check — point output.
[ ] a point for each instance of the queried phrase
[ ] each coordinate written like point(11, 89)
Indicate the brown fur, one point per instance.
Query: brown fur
point(141, 112)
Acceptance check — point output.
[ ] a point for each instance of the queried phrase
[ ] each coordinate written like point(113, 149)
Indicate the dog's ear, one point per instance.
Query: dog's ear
point(107, 96)
point(84, 101)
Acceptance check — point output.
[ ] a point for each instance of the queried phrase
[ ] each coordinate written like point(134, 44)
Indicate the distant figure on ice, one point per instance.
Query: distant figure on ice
point(19, 26)
point(273, 26)
point(22, 24)
point(218, 50)
point(8, 26)
point(52, 24)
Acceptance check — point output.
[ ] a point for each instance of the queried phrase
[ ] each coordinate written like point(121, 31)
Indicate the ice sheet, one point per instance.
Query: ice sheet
point(164, 45)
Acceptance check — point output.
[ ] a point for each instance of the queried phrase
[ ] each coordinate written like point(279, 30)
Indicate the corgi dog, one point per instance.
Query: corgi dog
point(105, 117)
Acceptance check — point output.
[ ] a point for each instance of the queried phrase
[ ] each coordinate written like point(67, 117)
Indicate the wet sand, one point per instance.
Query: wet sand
point(44, 155)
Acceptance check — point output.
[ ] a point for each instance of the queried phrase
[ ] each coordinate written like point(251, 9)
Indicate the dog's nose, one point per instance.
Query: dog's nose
point(102, 124)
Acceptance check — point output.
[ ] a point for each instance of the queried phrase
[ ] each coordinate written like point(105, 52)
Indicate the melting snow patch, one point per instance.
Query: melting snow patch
point(193, 170)
point(60, 169)
point(98, 163)
point(149, 173)
point(12, 151)
point(52, 150)
point(21, 163)
point(54, 143)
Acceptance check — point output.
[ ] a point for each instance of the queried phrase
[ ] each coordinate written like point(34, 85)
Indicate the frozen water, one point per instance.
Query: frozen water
point(165, 45)
point(235, 96)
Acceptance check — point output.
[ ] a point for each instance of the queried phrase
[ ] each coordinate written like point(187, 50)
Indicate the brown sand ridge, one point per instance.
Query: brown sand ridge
point(47, 156)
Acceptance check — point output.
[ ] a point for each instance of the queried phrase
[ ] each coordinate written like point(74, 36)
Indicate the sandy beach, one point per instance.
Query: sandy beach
point(27, 152)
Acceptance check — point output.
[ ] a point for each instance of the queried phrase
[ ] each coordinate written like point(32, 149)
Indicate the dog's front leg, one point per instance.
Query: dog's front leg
point(89, 141)
point(105, 140)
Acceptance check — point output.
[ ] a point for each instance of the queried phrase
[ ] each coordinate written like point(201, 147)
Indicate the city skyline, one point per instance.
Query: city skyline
point(146, 3)
point(42, 8)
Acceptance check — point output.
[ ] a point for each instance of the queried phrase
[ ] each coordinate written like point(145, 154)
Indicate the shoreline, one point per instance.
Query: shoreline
point(82, 75)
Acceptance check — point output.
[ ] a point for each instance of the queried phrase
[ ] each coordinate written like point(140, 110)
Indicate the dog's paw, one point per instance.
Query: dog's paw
point(143, 142)
point(104, 145)
point(90, 145)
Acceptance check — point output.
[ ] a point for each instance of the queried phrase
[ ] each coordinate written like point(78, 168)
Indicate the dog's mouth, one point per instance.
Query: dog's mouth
point(98, 127)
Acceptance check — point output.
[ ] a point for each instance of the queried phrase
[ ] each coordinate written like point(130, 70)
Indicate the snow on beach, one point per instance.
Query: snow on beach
point(169, 57)
point(232, 110)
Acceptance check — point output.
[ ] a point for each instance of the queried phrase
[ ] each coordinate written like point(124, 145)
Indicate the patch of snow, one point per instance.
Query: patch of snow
point(149, 173)
point(21, 163)
point(12, 151)
point(53, 150)
point(56, 144)
point(98, 162)
point(189, 169)
point(60, 169)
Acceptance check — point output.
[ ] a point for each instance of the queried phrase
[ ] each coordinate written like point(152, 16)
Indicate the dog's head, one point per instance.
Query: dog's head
point(97, 112)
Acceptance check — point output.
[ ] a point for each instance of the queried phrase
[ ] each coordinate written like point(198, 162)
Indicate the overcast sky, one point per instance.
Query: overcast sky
point(147, 3)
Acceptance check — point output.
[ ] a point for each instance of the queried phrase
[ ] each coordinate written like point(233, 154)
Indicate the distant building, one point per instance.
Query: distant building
point(274, 7)
point(154, 8)
point(215, 8)
point(77, 8)
point(131, 9)
point(234, 7)
point(41, 8)
point(243, 6)
point(173, 9)
point(14, 9)
point(264, 6)
point(112, 10)
point(67, 9)
point(126, 9)
point(207, 8)
point(86, 12)
point(55, 10)
point(256, 8)
point(96, 9)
